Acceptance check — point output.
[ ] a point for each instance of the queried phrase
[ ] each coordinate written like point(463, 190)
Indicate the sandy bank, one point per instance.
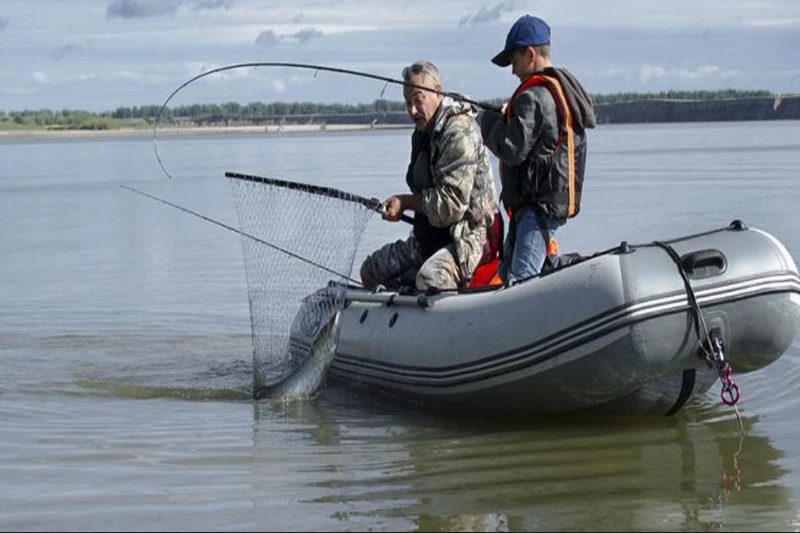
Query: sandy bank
point(168, 131)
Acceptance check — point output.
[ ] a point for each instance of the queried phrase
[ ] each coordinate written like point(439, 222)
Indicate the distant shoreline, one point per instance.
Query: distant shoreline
point(194, 130)
point(631, 112)
point(293, 117)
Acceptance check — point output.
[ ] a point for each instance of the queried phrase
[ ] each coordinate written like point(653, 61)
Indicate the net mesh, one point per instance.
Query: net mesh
point(298, 268)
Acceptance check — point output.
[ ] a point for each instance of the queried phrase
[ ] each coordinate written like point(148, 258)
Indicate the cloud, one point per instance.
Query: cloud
point(127, 76)
point(614, 72)
point(59, 54)
point(267, 38)
point(3, 23)
point(195, 68)
point(131, 75)
point(774, 22)
point(708, 71)
point(650, 72)
point(130, 9)
point(486, 15)
point(307, 34)
point(300, 17)
point(39, 77)
point(279, 85)
point(212, 4)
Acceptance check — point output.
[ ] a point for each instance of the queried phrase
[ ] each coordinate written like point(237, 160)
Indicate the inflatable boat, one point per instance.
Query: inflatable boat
point(637, 329)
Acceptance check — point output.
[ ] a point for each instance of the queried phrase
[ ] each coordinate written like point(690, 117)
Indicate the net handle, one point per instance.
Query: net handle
point(370, 203)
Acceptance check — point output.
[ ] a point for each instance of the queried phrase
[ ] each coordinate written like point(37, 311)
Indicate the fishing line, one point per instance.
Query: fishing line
point(222, 225)
point(315, 68)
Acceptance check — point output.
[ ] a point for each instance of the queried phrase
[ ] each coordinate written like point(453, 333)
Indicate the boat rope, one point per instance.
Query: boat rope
point(278, 248)
point(711, 345)
point(736, 474)
point(315, 68)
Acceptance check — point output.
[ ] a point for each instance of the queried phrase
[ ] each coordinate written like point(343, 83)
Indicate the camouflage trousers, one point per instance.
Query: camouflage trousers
point(401, 263)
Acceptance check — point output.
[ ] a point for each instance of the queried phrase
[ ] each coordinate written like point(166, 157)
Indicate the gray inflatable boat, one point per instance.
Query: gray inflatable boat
point(639, 329)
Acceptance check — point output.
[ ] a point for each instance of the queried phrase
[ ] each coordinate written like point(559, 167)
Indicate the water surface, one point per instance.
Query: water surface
point(126, 355)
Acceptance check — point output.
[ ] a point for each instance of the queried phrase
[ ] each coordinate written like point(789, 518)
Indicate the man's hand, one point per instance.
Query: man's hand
point(393, 208)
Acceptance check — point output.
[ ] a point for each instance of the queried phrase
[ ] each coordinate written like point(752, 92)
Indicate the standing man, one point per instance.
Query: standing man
point(540, 140)
point(452, 194)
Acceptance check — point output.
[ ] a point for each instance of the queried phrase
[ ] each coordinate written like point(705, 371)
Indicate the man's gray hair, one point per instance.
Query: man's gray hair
point(422, 67)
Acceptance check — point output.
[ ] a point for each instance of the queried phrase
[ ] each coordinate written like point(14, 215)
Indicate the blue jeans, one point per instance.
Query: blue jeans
point(525, 249)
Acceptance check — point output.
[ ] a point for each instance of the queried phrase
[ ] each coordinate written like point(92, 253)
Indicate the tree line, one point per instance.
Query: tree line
point(142, 116)
point(726, 94)
point(254, 110)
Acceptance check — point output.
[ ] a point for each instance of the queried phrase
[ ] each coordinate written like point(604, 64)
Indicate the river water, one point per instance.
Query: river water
point(127, 359)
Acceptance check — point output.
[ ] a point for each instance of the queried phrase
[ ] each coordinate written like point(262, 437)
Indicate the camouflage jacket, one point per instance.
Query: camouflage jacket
point(456, 182)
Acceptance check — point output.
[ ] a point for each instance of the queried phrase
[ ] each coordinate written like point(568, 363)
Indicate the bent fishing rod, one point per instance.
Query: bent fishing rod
point(315, 68)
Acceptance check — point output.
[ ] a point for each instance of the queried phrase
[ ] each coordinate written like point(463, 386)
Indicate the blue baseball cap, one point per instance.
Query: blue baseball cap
point(526, 31)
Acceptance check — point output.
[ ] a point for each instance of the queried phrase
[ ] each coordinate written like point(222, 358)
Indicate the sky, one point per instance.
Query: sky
point(98, 55)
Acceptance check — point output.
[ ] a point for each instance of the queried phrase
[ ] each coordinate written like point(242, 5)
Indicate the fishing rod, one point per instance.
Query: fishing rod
point(207, 219)
point(315, 68)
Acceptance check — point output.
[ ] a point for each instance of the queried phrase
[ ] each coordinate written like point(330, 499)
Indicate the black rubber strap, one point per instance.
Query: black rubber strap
point(687, 387)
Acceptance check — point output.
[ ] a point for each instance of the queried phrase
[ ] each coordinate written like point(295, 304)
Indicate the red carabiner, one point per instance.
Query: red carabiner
point(733, 394)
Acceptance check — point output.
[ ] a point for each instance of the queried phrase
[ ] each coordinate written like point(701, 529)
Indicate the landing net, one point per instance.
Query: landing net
point(299, 252)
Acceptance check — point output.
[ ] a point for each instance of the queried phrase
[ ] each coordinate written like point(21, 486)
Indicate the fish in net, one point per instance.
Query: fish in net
point(299, 244)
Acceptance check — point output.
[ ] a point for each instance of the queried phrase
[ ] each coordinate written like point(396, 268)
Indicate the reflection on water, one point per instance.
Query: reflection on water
point(209, 381)
point(411, 471)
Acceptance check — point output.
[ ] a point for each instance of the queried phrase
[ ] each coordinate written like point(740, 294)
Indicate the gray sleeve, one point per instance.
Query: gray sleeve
point(487, 120)
point(512, 142)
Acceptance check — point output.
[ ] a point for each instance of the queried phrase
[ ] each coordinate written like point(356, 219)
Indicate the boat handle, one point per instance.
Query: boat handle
point(389, 299)
point(704, 263)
